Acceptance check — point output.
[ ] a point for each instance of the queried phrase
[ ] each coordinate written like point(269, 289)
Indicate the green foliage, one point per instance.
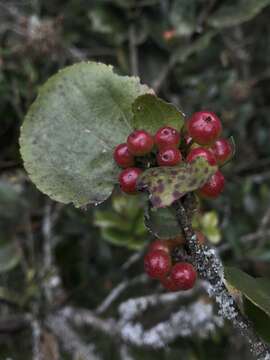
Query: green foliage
point(70, 131)
point(257, 290)
point(12, 207)
point(151, 113)
point(10, 257)
point(237, 13)
point(208, 224)
point(123, 225)
point(183, 17)
point(162, 222)
point(167, 184)
point(259, 318)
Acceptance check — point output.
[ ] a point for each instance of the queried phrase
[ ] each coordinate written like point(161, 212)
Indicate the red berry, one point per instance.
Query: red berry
point(222, 150)
point(204, 127)
point(169, 284)
point(167, 137)
point(199, 151)
point(159, 245)
point(157, 264)
point(214, 186)
point(183, 276)
point(140, 142)
point(128, 178)
point(169, 157)
point(122, 156)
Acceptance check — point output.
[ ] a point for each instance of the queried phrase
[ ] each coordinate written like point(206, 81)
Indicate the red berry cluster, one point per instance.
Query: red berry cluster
point(168, 147)
point(160, 264)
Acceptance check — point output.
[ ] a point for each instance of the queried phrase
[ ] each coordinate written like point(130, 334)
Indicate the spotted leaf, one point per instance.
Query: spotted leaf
point(167, 184)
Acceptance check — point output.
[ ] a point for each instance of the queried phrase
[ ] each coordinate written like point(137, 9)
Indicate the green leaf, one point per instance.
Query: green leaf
point(12, 206)
point(124, 224)
point(208, 224)
point(121, 238)
point(151, 113)
point(167, 184)
point(10, 296)
point(237, 13)
point(105, 20)
point(259, 318)
point(9, 257)
point(162, 223)
point(108, 219)
point(257, 290)
point(183, 16)
point(69, 133)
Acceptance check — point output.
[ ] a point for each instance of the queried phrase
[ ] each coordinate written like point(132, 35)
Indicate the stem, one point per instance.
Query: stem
point(210, 268)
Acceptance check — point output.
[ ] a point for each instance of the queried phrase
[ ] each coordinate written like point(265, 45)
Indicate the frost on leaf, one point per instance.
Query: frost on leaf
point(168, 184)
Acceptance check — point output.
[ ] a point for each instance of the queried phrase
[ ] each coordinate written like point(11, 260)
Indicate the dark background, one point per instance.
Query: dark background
point(197, 54)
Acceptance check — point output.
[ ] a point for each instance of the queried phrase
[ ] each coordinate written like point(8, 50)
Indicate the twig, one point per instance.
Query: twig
point(133, 51)
point(118, 290)
point(13, 323)
point(125, 353)
point(256, 236)
point(262, 233)
point(132, 259)
point(158, 83)
point(195, 319)
point(210, 268)
point(132, 308)
point(36, 336)
point(49, 220)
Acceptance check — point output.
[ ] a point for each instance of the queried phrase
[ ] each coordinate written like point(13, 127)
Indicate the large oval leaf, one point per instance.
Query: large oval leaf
point(69, 133)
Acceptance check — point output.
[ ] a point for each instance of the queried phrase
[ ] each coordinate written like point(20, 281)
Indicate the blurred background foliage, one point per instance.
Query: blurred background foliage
point(197, 54)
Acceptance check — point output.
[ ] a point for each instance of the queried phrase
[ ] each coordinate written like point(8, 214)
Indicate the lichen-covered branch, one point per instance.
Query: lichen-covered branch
point(70, 341)
point(210, 268)
point(197, 319)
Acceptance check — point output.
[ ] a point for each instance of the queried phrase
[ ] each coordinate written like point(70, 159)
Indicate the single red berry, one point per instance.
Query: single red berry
point(167, 137)
point(222, 150)
point(157, 264)
point(140, 142)
point(169, 157)
point(169, 284)
point(128, 178)
point(204, 127)
point(214, 186)
point(200, 151)
point(122, 156)
point(183, 275)
point(159, 245)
